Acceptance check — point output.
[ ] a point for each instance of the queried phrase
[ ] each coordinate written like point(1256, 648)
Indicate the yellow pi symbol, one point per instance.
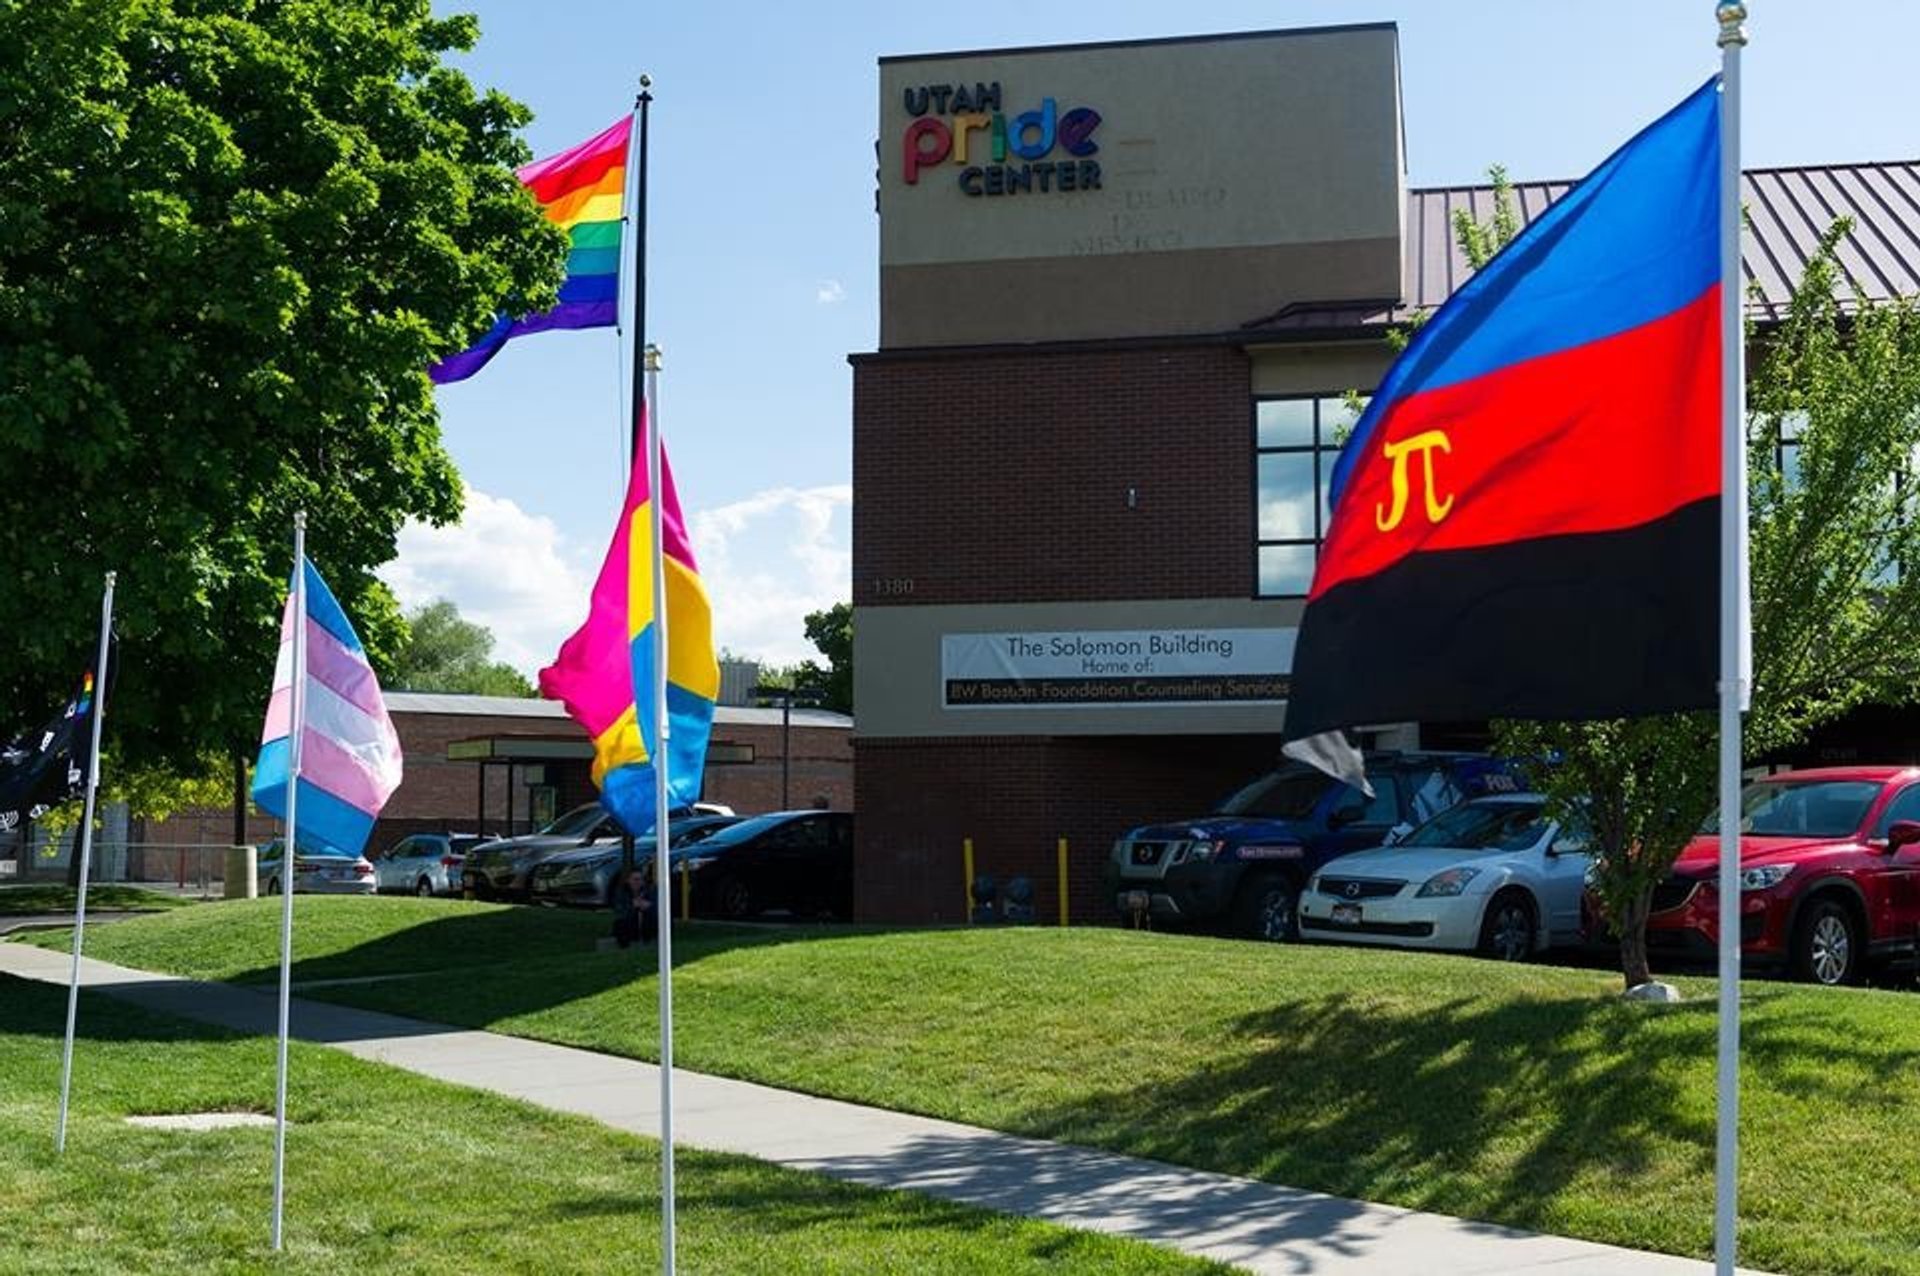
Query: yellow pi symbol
point(1425, 444)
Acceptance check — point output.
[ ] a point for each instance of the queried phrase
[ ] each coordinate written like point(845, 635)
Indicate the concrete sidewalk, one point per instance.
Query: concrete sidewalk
point(1258, 1226)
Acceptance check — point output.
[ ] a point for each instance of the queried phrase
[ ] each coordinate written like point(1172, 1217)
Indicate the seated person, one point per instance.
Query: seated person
point(633, 913)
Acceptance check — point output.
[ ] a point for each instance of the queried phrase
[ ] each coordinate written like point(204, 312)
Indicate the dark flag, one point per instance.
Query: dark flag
point(49, 768)
point(1525, 522)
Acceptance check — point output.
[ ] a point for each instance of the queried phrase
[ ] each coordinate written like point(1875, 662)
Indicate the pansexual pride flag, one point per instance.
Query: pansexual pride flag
point(349, 753)
point(610, 658)
point(1525, 522)
point(580, 190)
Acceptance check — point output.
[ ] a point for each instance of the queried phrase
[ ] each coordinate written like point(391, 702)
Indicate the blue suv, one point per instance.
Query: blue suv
point(1244, 864)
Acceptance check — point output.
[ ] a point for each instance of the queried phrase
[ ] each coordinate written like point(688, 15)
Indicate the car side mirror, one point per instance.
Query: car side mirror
point(1902, 833)
point(1397, 834)
point(1342, 816)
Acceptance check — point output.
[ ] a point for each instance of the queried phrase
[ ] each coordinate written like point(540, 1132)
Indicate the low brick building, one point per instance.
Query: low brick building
point(499, 765)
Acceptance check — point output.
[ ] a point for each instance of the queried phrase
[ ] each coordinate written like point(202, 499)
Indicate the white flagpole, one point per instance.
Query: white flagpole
point(86, 856)
point(289, 861)
point(662, 839)
point(1734, 661)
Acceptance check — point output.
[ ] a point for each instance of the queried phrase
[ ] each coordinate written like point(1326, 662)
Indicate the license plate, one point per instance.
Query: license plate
point(1346, 914)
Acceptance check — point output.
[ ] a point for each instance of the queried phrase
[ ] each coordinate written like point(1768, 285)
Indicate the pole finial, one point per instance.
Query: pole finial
point(1731, 14)
point(646, 90)
point(111, 577)
point(652, 357)
point(300, 519)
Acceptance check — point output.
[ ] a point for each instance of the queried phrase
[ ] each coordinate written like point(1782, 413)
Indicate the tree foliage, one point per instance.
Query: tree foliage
point(1833, 542)
point(233, 236)
point(444, 652)
point(831, 633)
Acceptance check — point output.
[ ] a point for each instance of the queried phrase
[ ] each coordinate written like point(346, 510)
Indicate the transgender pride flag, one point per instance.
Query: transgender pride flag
point(348, 760)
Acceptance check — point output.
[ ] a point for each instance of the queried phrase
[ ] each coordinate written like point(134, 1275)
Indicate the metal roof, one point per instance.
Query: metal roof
point(515, 707)
point(1787, 208)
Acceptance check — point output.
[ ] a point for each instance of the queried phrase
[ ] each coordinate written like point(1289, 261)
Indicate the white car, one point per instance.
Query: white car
point(1493, 876)
point(316, 872)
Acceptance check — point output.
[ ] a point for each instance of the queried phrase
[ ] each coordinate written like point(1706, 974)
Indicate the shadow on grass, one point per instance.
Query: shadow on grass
point(468, 944)
point(1483, 1107)
point(33, 1009)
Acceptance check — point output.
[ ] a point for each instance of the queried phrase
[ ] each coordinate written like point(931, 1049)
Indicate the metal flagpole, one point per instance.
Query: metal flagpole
point(662, 839)
point(289, 857)
point(86, 856)
point(646, 364)
point(1734, 658)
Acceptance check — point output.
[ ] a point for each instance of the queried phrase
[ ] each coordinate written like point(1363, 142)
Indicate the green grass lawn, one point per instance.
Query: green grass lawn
point(1530, 1096)
point(388, 1172)
point(16, 901)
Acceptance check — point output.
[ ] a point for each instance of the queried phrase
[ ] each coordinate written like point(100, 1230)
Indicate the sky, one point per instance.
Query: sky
point(762, 270)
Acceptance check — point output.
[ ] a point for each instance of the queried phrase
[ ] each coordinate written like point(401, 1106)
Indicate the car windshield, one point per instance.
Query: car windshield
point(744, 831)
point(1483, 826)
point(577, 822)
point(1279, 795)
point(1802, 808)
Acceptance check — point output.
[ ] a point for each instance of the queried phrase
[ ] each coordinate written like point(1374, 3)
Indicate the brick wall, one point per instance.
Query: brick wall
point(1003, 477)
point(437, 795)
point(822, 765)
point(1014, 795)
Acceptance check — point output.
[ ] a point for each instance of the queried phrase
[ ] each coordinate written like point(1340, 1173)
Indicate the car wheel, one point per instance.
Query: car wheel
point(1507, 932)
point(1267, 908)
point(424, 889)
point(1826, 944)
point(733, 898)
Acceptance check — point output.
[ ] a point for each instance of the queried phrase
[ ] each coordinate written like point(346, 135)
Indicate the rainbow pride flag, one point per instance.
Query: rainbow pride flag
point(610, 658)
point(580, 190)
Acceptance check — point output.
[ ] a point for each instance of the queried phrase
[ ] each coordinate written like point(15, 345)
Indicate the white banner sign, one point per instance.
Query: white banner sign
point(1129, 667)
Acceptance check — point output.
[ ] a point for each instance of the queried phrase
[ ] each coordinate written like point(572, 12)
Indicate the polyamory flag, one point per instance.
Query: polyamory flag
point(1525, 522)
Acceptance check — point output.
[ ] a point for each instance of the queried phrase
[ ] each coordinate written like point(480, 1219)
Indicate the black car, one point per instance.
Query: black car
point(794, 862)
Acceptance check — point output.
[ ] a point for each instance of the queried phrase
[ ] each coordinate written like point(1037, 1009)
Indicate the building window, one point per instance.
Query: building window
point(1295, 443)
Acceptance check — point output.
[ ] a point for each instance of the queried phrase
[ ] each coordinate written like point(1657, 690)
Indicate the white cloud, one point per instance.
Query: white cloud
point(503, 568)
point(767, 561)
point(829, 292)
point(770, 559)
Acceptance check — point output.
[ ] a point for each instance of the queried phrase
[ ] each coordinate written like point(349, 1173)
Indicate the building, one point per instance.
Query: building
point(499, 765)
point(1126, 291)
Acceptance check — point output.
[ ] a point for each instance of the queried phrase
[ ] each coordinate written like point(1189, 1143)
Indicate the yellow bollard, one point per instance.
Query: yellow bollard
point(686, 892)
point(966, 850)
point(1063, 881)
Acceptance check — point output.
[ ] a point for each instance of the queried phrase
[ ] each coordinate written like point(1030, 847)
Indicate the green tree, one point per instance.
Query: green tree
point(233, 236)
point(831, 633)
point(444, 652)
point(1832, 541)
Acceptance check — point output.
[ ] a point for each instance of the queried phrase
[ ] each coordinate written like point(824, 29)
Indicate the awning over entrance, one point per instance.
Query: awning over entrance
point(532, 761)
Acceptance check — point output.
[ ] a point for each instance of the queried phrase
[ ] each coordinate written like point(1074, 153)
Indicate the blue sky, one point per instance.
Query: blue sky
point(763, 240)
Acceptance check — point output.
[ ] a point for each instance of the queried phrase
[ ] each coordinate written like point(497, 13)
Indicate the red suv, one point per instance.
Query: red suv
point(1829, 875)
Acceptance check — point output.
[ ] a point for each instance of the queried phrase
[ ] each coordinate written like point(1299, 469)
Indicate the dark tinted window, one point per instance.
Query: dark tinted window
point(577, 821)
point(1483, 826)
point(1803, 808)
point(1279, 795)
point(746, 830)
point(1904, 807)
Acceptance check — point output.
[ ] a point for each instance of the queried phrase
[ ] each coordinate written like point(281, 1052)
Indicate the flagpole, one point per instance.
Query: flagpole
point(289, 860)
point(1734, 671)
point(662, 836)
point(86, 855)
point(646, 364)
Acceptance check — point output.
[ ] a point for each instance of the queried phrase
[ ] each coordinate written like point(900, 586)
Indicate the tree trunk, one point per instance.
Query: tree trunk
point(1633, 940)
